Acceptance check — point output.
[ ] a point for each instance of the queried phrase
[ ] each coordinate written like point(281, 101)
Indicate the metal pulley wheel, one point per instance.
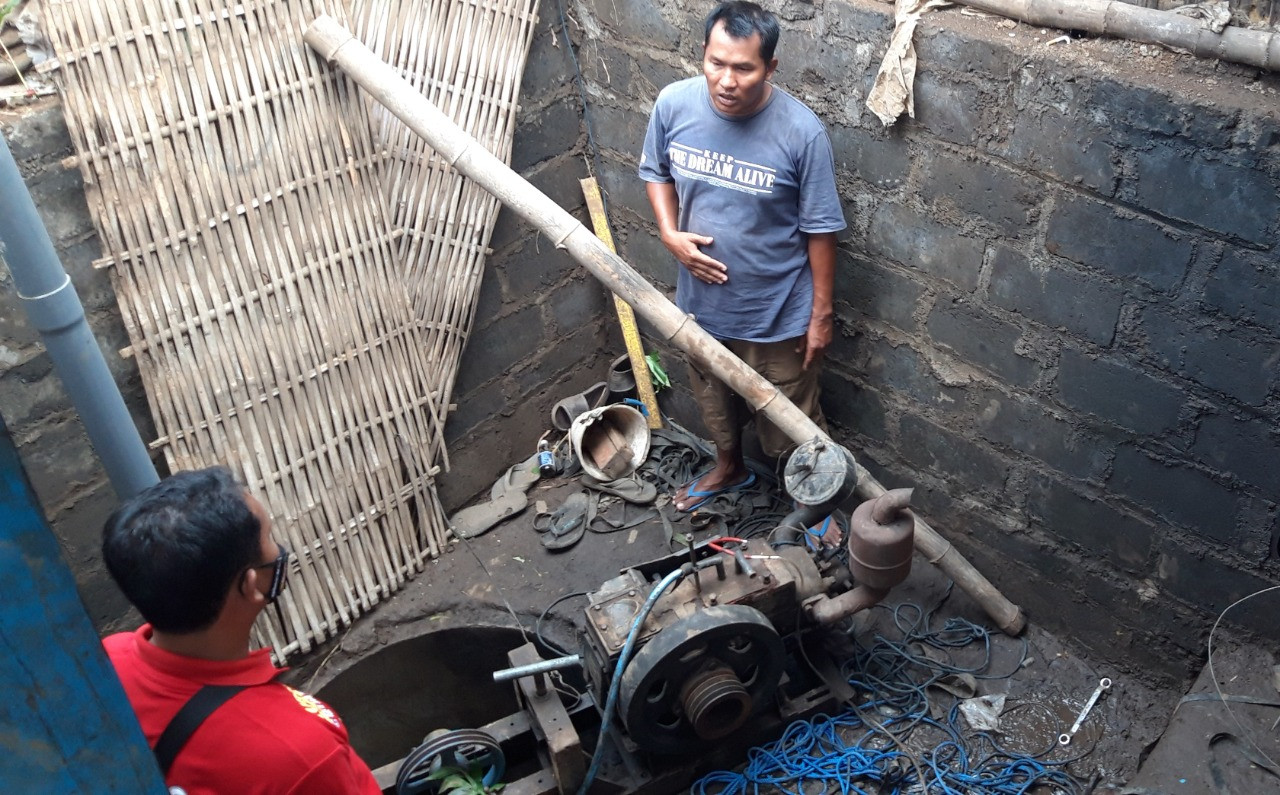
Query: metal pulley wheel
point(700, 678)
point(463, 749)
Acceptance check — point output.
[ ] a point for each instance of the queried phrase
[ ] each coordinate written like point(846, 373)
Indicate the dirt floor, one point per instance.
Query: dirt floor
point(505, 578)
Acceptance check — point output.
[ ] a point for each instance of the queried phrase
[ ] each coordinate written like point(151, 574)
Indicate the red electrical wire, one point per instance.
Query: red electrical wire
point(715, 544)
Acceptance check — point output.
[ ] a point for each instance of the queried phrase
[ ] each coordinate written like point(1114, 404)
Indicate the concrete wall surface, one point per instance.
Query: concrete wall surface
point(1057, 299)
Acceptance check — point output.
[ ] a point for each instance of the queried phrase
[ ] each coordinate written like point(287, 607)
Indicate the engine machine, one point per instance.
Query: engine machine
point(712, 667)
point(709, 653)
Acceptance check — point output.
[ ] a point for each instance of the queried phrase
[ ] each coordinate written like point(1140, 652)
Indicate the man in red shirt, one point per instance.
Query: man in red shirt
point(194, 554)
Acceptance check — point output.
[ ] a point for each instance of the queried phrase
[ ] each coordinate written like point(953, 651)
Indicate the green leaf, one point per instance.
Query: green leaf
point(656, 373)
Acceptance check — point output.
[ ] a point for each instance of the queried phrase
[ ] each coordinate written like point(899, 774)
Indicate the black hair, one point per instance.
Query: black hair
point(742, 20)
point(176, 548)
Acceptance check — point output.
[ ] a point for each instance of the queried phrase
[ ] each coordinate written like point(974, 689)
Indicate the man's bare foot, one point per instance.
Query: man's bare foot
point(700, 489)
point(827, 532)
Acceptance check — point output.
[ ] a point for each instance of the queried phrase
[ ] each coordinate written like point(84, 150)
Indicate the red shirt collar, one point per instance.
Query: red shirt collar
point(255, 668)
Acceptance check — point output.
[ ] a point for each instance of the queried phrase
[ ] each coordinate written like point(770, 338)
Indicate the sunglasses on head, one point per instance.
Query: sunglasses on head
point(279, 566)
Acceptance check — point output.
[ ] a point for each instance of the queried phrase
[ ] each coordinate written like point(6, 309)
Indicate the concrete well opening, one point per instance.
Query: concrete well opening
point(392, 698)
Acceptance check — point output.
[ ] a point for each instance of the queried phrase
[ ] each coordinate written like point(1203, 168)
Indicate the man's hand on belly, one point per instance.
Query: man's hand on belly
point(684, 246)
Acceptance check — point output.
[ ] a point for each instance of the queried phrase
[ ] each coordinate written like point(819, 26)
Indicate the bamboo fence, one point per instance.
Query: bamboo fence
point(243, 202)
point(468, 59)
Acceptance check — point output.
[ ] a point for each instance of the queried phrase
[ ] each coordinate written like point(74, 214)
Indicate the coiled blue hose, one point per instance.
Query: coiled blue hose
point(954, 761)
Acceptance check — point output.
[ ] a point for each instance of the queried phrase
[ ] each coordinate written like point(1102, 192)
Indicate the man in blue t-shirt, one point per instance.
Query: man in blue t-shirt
point(742, 182)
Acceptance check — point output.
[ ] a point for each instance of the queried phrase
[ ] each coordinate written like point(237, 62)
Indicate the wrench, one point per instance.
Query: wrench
point(1065, 739)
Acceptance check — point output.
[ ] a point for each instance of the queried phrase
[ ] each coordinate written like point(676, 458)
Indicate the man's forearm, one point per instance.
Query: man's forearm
point(822, 262)
point(666, 205)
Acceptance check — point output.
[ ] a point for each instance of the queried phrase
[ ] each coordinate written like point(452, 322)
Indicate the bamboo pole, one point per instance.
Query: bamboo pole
point(1258, 48)
point(338, 46)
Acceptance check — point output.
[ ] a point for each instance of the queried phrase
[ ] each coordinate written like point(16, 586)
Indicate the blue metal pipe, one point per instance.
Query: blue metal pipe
point(54, 309)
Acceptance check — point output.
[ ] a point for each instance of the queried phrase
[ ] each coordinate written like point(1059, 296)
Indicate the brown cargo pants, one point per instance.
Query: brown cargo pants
point(724, 412)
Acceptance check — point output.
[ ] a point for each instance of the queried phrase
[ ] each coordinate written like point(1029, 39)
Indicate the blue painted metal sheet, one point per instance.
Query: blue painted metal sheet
point(65, 723)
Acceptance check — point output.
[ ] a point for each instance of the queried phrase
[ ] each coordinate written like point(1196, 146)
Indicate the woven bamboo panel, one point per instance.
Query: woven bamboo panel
point(239, 194)
point(467, 58)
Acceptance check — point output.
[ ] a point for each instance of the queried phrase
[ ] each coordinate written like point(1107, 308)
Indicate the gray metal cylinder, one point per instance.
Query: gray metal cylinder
point(821, 472)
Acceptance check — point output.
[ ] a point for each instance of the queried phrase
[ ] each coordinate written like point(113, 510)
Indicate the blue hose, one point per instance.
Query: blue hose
point(612, 699)
point(855, 754)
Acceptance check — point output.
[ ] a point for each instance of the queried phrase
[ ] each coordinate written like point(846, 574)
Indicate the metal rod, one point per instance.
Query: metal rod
point(337, 45)
point(54, 309)
point(508, 674)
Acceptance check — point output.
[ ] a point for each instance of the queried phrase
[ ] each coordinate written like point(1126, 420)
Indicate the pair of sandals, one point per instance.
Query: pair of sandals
point(566, 525)
point(619, 383)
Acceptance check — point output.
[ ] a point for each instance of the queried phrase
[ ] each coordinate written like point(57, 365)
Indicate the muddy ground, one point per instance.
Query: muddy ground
point(505, 576)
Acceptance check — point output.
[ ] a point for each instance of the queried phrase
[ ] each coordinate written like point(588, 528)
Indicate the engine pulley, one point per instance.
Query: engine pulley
point(700, 678)
point(463, 749)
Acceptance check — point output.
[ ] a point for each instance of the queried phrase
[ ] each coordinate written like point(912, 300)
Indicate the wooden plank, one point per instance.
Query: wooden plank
point(626, 315)
point(551, 721)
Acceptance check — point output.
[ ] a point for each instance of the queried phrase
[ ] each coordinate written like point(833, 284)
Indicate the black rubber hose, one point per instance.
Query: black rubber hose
point(792, 527)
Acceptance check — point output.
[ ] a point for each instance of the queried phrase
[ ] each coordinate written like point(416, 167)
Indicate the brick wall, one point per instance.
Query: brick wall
point(544, 327)
point(1057, 298)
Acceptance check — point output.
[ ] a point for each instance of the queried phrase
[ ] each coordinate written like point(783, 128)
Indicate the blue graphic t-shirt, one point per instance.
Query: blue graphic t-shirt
point(757, 185)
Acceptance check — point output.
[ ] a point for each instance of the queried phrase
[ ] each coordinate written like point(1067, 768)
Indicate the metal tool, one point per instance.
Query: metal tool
point(1065, 739)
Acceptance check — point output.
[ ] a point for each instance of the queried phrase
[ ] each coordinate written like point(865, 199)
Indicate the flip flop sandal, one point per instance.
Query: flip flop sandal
point(568, 523)
point(567, 410)
point(541, 517)
point(479, 519)
point(518, 478)
point(703, 497)
point(631, 488)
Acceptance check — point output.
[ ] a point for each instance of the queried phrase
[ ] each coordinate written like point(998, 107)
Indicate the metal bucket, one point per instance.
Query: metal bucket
point(611, 441)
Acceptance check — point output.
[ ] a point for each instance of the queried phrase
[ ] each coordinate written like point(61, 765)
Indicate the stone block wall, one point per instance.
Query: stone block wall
point(64, 471)
point(544, 326)
point(1057, 300)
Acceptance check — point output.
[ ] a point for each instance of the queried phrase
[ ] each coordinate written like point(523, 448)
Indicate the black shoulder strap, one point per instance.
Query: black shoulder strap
point(193, 713)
